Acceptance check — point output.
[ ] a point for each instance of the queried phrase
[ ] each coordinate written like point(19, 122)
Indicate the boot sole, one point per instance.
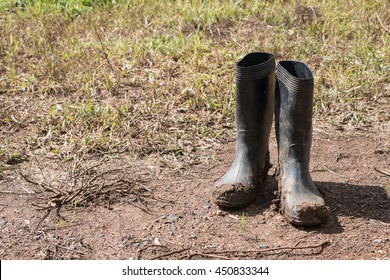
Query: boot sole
point(226, 204)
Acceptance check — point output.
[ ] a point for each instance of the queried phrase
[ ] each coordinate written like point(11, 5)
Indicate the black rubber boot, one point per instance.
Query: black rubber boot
point(255, 93)
point(301, 203)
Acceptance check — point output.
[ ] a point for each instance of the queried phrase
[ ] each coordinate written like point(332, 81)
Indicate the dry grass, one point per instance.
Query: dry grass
point(147, 76)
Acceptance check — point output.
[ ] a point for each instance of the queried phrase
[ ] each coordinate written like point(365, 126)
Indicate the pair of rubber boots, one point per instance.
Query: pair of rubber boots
point(257, 95)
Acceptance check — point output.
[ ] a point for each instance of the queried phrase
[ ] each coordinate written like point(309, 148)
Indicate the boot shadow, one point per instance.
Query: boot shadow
point(369, 202)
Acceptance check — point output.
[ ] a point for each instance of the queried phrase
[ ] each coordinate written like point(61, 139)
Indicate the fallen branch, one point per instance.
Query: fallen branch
point(321, 245)
point(41, 220)
point(217, 254)
point(45, 187)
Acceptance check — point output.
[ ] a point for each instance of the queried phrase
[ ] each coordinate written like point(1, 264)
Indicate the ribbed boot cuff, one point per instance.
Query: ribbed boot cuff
point(296, 75)
point(255, 65)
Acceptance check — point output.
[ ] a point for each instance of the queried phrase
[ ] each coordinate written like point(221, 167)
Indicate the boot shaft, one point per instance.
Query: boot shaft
point(255, 94)
point(293, 110)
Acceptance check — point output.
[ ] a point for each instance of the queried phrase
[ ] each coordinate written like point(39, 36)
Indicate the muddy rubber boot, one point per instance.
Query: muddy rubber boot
point(300, 201)
point(255, 93)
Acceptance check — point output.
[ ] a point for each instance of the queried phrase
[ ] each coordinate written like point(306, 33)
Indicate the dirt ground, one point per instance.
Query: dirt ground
point(157, 207)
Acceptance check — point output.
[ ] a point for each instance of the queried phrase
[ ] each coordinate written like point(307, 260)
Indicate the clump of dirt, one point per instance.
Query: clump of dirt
point(151, 208)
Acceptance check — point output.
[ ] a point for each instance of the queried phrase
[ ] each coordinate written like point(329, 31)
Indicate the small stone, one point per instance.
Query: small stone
point(377, 241)
point(36, 237)
point(211, 246)
point(263, 246)
point(207, 206)
point(277, 245)
point(172, 217)
point(156, 242)
point(72, 247)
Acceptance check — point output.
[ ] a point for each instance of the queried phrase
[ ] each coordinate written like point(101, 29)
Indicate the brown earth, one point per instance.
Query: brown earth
point(160, 207)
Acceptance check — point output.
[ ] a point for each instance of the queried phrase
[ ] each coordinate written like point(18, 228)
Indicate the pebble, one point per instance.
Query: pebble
point(36, 237)
point(377, 241)
point(171, 218)
point(211, 246)
point(156, 241)
point(263, 246)
point(207, 206)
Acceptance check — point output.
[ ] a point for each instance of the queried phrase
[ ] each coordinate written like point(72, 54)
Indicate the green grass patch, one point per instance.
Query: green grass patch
point(68, 8)
point(158, 76)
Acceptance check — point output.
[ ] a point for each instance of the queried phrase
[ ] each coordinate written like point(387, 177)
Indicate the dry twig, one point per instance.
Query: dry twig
point(321, 245)
point(41, 220)
point(170, 253)
point(217, 254)
point(104, 50)
point(335, 173)
point(381, 23)
point(382, 172)
point(209, 255)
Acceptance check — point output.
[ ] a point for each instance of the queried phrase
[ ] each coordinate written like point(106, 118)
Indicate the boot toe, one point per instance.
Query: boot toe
point(234, 195)
point(306, 213)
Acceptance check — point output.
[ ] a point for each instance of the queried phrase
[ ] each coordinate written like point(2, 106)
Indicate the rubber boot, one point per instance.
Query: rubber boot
point(255, 93)
point(301, 203)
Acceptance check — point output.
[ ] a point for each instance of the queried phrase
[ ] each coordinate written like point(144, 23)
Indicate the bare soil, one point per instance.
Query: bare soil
point(159, 207)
